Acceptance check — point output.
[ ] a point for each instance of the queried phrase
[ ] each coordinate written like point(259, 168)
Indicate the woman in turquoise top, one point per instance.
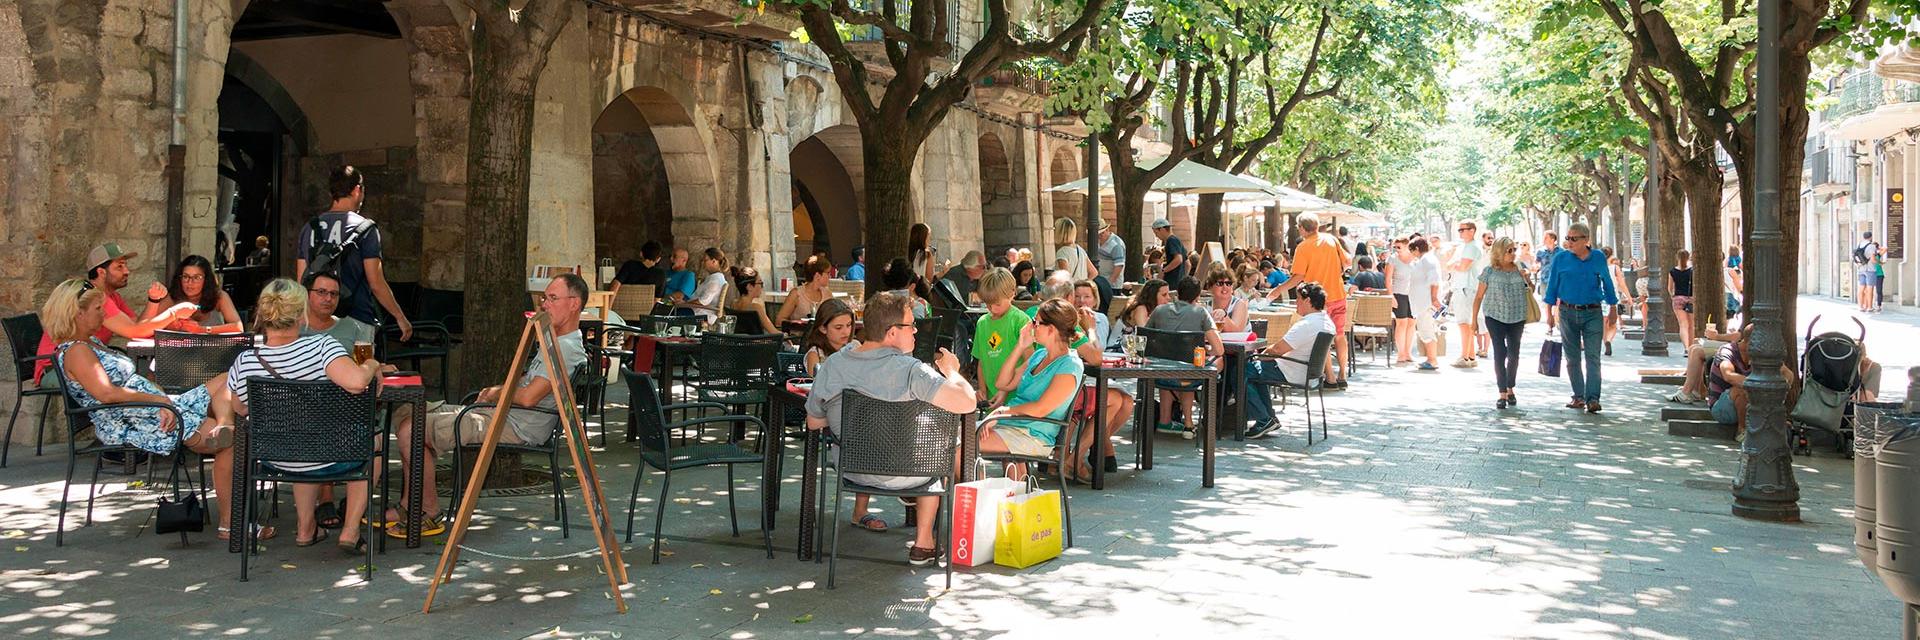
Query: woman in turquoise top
point(1043, 388)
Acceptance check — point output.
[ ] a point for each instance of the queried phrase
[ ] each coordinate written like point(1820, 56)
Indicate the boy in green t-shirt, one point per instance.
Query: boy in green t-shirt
point(998, 332)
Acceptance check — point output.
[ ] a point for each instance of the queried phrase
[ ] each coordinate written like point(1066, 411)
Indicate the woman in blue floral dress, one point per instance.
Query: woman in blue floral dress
point(96, 375)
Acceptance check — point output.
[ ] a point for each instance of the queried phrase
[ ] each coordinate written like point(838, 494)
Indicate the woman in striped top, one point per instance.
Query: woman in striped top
point(287, 355)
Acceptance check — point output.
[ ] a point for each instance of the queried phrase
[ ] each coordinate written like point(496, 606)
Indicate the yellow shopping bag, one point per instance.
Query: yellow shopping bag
point(1029, 530)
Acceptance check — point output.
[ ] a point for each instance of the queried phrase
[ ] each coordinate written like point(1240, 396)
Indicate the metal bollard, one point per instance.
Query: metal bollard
point(1897, 529)
point(1867, 437)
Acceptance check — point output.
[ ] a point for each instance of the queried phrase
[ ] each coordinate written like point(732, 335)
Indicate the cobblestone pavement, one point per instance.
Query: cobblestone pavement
point(1428, 514)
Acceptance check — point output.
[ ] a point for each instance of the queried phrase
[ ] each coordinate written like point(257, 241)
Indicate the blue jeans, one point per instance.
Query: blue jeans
point(1580, 335)
point(1259, 404)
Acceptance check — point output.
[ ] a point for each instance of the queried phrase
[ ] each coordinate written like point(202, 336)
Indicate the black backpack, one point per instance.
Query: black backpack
point(1860, 254)
point(327, 256)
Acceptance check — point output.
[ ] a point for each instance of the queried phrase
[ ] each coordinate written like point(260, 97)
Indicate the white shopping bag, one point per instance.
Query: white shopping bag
point(976, 510)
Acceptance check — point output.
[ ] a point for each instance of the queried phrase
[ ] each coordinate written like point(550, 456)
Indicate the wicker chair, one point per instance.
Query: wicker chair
point(735, 370)
point(551, 448)
point(635, 301)
point(78, 420)
point(1372, 322)
point(1316, 363)
point(23, 336)
point(904, 439)
point(657, 451)
point(187, 360)
point(311, 421)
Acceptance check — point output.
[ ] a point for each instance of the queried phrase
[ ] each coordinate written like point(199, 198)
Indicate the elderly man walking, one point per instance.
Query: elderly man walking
point(1580, 288)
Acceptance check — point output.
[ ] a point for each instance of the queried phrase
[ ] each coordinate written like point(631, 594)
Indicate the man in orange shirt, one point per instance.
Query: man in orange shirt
point(1321, 258)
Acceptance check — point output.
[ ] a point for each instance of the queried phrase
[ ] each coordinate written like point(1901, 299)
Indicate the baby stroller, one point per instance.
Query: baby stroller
point(1830, 364)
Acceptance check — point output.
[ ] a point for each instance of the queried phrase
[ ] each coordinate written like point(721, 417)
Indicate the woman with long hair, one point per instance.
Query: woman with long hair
point(1025, 284)
point(1067, 252)
point(194, 281)
point(1153, 293)
point(832, 331)
point(900, 278)
point(747, 304)
point(920, 250)
point(1680, 283)
point(706, 300)
point(1501, 302)
point(815, 273)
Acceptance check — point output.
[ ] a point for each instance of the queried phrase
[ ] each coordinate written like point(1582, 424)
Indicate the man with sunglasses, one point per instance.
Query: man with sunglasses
point(1468, 259)
point(1580, 287)
point(883, 368)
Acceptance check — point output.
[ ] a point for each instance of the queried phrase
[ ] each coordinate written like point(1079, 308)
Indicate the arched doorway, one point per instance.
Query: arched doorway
point(1003, 210)
point(638, 140)
point(827, 205)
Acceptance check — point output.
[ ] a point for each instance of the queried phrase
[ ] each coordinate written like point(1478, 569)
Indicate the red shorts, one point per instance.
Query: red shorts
point(1337, 310)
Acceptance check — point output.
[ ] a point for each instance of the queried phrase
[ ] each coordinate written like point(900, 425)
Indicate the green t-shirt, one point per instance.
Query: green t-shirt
point(993, 342)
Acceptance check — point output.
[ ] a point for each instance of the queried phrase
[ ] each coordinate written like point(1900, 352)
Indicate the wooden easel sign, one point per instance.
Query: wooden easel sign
point(539, 333)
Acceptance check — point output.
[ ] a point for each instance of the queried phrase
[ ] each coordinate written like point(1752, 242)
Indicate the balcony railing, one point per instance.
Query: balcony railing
point(1861, 92)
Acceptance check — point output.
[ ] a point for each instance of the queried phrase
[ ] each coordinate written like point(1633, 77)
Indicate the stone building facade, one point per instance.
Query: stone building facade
point(683, 122)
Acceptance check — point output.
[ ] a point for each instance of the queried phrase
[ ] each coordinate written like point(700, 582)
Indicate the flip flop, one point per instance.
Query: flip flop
point(872, 523)
point(328, 515)
point(429, 526)
point(319, 536)
point(356, 548)
point(260, 532)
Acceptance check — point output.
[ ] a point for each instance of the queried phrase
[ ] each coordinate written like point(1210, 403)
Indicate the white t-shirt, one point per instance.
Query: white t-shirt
point(709, 294)
point(1301, 336)
point(1401, 271)
point(1469, 279)
point(1076, 258)
point(1421, 276)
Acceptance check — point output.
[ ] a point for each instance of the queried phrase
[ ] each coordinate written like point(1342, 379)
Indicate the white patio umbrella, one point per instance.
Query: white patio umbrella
point(1186, 177)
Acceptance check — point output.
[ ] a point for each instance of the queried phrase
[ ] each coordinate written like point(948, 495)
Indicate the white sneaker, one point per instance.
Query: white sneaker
point(1463, 363)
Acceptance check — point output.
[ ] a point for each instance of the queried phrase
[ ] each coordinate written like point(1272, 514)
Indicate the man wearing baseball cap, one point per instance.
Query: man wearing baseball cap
point(107, 271)
point(1175, 251)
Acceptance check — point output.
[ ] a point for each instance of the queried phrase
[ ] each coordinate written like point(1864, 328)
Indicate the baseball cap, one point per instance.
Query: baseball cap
point(1161, 223)
point(104, 253)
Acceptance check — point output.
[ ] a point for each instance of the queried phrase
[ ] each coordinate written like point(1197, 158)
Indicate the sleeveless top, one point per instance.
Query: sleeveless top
point(139, 427)
point(1682, 281)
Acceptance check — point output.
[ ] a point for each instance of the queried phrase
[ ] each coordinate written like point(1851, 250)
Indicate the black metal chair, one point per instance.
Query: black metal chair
point(903, 439)
point(657, 451)
point(735, 370)
point(183, 361)
point(1316, 364)
point(23, 337)
point(431, 341)
point(590, 379)
point(551, 448)
point(80, 419)
point(1063, 452)
point(1177, 346)
point(311, 421)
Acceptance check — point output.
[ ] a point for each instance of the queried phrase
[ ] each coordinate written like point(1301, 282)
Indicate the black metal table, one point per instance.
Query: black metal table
point(1157, 369)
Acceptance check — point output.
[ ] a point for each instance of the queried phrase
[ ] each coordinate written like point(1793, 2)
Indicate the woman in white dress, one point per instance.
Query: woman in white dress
point(713, 286)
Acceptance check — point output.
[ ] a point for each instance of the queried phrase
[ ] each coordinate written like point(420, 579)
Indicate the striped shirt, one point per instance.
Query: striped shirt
point(302, 359)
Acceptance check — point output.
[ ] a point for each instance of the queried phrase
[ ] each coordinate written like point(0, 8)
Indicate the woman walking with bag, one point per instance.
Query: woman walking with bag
point(1503, 301)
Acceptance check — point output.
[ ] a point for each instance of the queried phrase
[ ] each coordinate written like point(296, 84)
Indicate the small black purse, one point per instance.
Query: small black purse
point(180, 514)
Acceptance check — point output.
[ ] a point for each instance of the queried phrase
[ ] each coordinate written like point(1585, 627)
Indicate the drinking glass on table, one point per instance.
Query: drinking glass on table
point(1136, 345)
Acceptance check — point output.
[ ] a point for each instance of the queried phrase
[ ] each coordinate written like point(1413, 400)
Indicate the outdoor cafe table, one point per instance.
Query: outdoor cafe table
point(393, 393)
point(1148, 369)
point(774, 446)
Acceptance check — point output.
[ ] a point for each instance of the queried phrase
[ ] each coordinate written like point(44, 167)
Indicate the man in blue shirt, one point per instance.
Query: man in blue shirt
point(679, 280)
point(1580, 287)
point(858, 272)
point(1275, 276)
point(1177, 257)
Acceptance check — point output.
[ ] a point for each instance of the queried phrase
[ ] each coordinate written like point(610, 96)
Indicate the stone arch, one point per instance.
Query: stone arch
point(243, 70)
point(1003, 205)
point(662, 98)
point(829, 193)
point(649, 170)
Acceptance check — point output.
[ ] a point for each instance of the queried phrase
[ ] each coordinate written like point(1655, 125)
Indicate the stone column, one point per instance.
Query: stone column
point(560, 197)
point(1653, 341)
point(438, 70)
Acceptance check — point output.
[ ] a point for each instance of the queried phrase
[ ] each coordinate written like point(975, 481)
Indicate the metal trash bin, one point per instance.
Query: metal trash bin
point(1897, 501)
point(1867, 437)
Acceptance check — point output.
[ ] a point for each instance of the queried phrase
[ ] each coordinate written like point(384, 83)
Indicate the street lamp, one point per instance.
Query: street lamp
point(1653, 340)
point(1765, 488)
